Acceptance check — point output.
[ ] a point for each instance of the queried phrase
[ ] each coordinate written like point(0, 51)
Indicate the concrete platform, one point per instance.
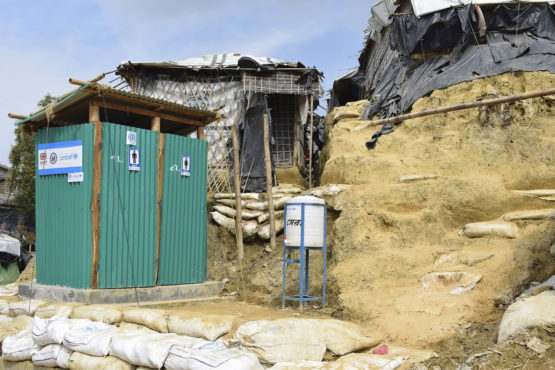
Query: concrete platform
point(158, 294)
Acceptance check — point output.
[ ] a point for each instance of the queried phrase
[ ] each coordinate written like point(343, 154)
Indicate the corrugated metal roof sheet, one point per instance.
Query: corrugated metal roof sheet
point(87, 91)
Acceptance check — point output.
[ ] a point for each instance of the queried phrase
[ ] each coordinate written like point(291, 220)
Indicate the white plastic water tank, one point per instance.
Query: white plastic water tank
point(314, 221)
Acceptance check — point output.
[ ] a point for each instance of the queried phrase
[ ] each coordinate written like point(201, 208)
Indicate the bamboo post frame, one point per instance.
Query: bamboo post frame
point(268, 161)
point(161, 145)
point(95, 203)
point(310, 142)
point(237, 185)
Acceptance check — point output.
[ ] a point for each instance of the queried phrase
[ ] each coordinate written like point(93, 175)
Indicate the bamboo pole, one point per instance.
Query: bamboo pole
point(269, 182)
point(17, 116)
point(237, 183)
point(310, 142)
point(461, 106)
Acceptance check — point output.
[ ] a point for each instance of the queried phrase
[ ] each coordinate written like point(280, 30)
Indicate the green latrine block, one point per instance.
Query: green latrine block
point(139, 240)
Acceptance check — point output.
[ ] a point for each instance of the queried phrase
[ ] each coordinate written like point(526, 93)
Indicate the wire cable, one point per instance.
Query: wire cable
point(120, 204)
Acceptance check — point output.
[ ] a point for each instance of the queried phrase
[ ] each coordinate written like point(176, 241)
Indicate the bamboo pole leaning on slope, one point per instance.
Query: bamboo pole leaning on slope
point(269, 182)
point(451, 108)
point(237, 185)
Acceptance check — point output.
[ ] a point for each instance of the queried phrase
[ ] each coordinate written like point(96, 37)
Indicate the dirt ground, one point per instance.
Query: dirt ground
point(385, 235)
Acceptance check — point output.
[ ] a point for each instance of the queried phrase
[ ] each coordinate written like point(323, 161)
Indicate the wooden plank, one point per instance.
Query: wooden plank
point(237, 185)
point(161, 145)
point(170, 108)
point(200, 133)
point(268, 161)
point(95, 204)
point(148, 113)
point(155, 124)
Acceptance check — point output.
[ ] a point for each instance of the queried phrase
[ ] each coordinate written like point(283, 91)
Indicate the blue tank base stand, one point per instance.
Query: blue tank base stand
point(304, 251)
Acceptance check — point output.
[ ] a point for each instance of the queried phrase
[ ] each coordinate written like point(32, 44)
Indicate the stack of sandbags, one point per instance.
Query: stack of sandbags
point(255, 214)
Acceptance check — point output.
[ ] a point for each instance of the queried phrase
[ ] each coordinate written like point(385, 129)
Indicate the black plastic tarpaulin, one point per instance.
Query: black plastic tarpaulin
point(251, 148)
point(451, 51)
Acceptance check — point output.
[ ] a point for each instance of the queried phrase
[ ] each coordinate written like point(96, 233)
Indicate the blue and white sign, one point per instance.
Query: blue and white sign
point(75, 177)
point(131, 138)
point(185, 165)
point(61, 157)
point(134, 159)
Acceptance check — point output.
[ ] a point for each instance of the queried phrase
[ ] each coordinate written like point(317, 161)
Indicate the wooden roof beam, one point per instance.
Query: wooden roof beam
point(148, 113)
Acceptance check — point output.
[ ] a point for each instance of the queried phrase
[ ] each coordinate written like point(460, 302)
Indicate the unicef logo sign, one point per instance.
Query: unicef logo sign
point(53, 158)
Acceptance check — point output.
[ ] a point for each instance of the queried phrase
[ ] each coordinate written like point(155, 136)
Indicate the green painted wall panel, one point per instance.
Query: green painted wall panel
point(183, 231)
point(128, 210)
point(63, 215)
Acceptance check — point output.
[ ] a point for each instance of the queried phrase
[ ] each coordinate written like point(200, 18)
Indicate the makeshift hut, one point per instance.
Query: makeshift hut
point(241, 88)
point(120, 190)
point(414, 47)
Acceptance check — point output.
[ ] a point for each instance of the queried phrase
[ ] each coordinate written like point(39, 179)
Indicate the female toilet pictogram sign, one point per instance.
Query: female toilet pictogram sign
point(185, 165)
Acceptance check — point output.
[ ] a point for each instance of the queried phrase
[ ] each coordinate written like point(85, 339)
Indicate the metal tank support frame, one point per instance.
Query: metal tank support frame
point(303, 298)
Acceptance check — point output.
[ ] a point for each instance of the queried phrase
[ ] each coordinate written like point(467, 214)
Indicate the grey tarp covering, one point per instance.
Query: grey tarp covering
point(393, 81)
point(9, 245)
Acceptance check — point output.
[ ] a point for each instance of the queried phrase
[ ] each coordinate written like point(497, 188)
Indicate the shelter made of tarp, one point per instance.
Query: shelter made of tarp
point(423, 7)
point(414, 56)
point(9, 245)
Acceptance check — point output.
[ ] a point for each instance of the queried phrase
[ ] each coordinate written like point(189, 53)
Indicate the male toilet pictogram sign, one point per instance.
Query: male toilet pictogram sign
point(134, 159)
point(185, 165)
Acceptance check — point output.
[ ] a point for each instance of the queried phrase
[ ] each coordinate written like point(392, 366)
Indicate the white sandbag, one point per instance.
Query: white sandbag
point(536, 192)
point(264, 232)
point(250, 228)
point(27, 307)
point(93, 339)
point(302, 365)
point(19, 347)
point(4, 307)
point(230, 212)
point(266, 216)
point(536, 214)
point(343, 337)
point(151, 318)
point(329, 190)
point(107, 315)
point(81, 361)
point(18, 324)
point(52, 331)
point(206, 326)
point(490, 228)
point(212, 355)
point(48, 310)
point(365, 361)
point(287, 189)
point(282, 340)
point(148, 349)
point(454, 283)
point(413, 354)
point(5, 319)
point(53, 355)
point(263, 206)
point(533, 311)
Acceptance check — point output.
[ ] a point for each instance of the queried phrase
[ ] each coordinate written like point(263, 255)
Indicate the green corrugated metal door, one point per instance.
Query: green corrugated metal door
point(183, 230)
point(63, 215)
point(128, 210)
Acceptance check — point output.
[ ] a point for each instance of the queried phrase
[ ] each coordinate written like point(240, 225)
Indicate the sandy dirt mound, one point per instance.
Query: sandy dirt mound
point(419, 187)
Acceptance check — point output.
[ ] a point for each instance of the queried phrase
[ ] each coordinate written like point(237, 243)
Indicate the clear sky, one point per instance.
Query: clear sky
point(43, 43)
